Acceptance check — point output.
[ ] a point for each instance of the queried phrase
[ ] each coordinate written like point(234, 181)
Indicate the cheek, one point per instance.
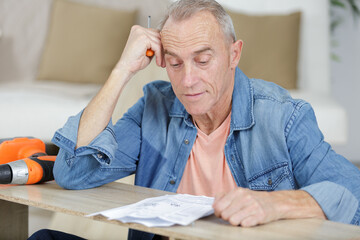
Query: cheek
point(215, 74)
point(174, 78)
point(219, 76)
point(171, 74)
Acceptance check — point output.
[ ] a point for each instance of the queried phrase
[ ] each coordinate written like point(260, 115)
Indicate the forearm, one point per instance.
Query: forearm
point(133, 59)
point(98, 113)
point(97, 163)
point(296, 204)
point(248, 208)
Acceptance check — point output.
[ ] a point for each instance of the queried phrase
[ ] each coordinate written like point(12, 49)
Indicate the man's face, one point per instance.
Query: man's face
point(198, 62)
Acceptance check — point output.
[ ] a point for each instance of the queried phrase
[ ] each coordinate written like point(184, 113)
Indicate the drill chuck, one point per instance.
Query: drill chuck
point(5, 174)
point(20, 172)
point(14, 173)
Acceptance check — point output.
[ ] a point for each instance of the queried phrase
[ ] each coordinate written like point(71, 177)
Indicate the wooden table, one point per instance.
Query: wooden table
point(16, 199)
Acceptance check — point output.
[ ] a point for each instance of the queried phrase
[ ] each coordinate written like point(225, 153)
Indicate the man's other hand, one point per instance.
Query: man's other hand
point(249, 208)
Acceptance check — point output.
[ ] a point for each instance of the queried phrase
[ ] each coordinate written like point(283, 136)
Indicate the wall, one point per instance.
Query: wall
point(345, 76)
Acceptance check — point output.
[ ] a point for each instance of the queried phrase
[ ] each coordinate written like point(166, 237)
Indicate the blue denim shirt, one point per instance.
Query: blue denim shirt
point(274, 144)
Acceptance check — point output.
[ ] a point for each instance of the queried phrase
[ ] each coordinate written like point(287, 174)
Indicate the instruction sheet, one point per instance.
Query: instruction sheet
point(163, 211)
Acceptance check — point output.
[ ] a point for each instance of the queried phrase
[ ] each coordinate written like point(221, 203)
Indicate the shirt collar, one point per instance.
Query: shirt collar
point(242, 116)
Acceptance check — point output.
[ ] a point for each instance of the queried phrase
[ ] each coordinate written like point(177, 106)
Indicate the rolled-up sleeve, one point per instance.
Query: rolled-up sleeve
point(336, 201)
point(104, 143)
point(327, 176)
point(88, 166)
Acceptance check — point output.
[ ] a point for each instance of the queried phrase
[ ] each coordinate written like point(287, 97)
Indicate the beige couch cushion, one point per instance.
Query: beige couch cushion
point(271, 45)
point(84, 42)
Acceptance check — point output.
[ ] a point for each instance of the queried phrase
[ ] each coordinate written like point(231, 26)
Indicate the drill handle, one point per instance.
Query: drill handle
point(46, 163)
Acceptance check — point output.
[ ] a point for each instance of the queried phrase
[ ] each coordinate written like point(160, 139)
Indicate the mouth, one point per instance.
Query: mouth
point(194, 96)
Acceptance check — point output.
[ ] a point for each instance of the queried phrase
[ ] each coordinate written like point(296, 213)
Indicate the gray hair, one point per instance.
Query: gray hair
point(184, 9)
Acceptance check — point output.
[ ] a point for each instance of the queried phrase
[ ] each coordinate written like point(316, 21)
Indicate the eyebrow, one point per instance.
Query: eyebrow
point(166, 52)
point(203, 50)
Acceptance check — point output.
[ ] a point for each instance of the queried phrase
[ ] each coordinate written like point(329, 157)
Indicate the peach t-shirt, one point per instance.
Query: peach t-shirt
point(207, 172)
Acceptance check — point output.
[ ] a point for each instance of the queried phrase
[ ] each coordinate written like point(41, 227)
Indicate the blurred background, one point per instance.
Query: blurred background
point(345, 71)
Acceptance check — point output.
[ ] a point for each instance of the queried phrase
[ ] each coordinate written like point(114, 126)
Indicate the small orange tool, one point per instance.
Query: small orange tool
point(149, 52)
point(24, 161)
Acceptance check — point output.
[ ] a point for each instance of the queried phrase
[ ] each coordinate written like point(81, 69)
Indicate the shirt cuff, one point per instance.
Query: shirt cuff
point(103, 147)
point(336, 201)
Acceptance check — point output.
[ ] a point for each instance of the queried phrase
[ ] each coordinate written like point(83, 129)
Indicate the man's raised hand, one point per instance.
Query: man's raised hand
point(134, 56)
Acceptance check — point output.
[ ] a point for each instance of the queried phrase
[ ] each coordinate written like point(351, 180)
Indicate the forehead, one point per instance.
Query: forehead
point(200, 29)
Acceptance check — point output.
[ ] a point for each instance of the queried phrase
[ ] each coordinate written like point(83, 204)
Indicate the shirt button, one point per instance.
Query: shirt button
point(186, 141)
point(270, 181)
point(232, 158)
point(99, 155)
point(172, 182)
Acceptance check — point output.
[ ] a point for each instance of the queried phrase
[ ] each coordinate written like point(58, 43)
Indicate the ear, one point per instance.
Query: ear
point(236, 49)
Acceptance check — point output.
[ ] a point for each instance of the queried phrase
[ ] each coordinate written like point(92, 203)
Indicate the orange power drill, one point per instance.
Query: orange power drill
point(34, 165)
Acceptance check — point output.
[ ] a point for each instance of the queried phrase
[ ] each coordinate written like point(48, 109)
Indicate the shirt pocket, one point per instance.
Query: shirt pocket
point(277, 177)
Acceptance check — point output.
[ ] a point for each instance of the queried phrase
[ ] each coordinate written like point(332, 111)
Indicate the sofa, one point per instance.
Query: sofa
point(56, 54)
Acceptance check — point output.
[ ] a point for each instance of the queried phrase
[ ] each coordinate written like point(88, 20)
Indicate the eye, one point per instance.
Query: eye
point(175, 65)
point(203, 60)
point(203, 63)
point(173, 62)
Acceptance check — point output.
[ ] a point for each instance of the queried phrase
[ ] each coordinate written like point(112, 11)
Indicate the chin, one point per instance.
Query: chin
point(200, 107)
point(195, 111)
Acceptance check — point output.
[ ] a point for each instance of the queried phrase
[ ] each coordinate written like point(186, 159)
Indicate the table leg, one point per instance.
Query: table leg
point(13, 220)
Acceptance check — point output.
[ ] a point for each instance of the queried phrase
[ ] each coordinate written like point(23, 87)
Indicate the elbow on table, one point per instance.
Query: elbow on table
point(64, 183)
point(67, 177)
point(356, 219)
point(67, 181)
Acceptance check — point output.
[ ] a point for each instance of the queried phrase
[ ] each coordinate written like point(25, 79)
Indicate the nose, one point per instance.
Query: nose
point(189, 78)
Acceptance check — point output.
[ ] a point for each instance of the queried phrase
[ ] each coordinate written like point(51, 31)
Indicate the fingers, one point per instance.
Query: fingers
point(236, 212)
point(224, 200)
point(241, 207)
point(251, 221)
point(139, 41)
point(155, 46)
point(248, 216)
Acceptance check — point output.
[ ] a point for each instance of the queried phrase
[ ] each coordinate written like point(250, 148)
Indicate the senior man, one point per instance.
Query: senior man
point(211, 131)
